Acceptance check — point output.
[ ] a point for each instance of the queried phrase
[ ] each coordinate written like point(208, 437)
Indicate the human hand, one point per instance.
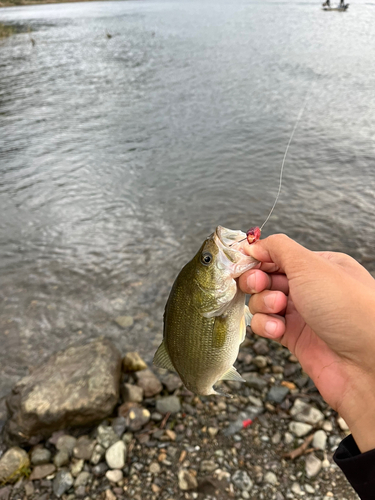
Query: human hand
point(321, 306)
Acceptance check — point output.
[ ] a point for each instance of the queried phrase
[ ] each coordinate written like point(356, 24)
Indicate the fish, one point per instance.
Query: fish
point(206, 316)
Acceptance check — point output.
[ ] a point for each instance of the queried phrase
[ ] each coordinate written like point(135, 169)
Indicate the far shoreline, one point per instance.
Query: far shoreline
point(24, 3)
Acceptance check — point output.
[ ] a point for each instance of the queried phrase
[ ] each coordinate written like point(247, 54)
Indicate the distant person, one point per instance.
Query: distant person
point(321, 306)
point(342, 3)
point(327, 3)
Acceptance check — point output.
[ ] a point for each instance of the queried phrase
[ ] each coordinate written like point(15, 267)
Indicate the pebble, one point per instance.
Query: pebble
point(212, 431)
point(342, 424)
point(42, 471)
point(154, 468)
point(115, 476)
point(106, 436)
point(84, 448)
point(124, 321)
point(82, 479)
point(172, 382)
point(208, 466)
point(254, 381)
point(320, 440)
point(327, 426)
point(132, 362)
point(61, 458)
point(12, 464)
point(270, 478)
point(186, 480)
point(261, 347)
point(288, 438)
point(115, 455)
point(137, 418)
point(260, 361)
point(303, 412)
point(150, 384)
point(97, 454)
point(62, 483)
point(276, 438)
point(296, 489)
point(277, 394)
point(40, 456)
point(169, 404)
point(66, 443)
point(133, 393)
point(76, 466)
point(299, 429)
point(309, 488)
point(312, 465)
point(242, 481)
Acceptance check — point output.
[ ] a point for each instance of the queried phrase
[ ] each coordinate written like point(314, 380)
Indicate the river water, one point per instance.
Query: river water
point(118, 155)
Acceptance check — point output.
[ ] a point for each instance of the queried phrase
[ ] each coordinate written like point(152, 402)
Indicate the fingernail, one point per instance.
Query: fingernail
point(269, 300)
point(251, 283)
point(270, 327)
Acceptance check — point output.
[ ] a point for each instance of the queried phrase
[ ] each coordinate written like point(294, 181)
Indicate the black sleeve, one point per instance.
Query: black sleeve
point(359, 468)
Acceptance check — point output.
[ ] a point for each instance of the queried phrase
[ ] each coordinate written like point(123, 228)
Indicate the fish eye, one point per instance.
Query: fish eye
point(206, 258)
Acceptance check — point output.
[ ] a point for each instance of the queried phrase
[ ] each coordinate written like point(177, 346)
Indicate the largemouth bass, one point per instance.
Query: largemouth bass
point(205, 317)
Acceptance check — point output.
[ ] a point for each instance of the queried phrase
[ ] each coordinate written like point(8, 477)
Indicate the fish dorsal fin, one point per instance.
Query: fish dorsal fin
point(232, 374)
point(162, 359)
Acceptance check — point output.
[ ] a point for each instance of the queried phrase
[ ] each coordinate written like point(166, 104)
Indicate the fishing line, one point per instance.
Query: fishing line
point(253, 234)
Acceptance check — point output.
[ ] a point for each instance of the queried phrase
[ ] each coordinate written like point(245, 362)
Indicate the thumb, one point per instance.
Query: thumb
point(279, 249)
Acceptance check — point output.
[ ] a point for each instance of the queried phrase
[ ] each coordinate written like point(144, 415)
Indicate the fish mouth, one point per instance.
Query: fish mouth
point(231, 256)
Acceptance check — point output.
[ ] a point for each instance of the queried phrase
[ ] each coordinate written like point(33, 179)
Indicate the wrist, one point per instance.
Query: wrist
point(359, 414)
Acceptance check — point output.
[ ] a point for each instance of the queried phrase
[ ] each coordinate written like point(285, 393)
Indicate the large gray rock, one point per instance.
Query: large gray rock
point(78, 386)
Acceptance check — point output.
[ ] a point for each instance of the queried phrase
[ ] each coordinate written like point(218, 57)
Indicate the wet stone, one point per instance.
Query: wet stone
point(270, 478)
point(132, 393)
point(242, 481)
point(40, 456)
point(171, 382)
point(13, 465)
point(186, 480)
point(62, 483)
point(115, 455)
point(299, 429)
point(124, 321)
point(137, 418)
point(119, 425)
point(66, 443)
point(115, 476)
point(42, 471)
point(61, 458)
point(312, 465)
point(132, 362)
point(84, 448)
point(100, 469)
point(304, 412)
point(320, 440)
point(277, 394)
point(261, 347)
point(106, 436)
point(169, 404)
point(254, 381)
point(291, 369)
point(260, 361)
point(150, 384)
point(82, 479)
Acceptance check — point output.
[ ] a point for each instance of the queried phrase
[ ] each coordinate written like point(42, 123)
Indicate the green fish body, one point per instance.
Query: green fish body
point(205, 317)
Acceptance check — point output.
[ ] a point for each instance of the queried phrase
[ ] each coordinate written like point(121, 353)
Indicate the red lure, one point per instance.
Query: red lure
point(253, 235)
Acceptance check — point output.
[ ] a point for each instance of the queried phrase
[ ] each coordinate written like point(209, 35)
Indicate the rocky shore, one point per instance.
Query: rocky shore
point(91, 424)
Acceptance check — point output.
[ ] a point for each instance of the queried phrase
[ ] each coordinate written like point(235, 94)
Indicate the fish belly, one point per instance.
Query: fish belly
point(203, 349)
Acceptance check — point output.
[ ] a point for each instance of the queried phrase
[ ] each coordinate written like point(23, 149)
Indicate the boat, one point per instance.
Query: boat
point(339, 8)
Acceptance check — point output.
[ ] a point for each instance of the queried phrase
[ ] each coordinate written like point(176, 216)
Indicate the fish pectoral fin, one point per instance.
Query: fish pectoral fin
point(248, 316)
point(232, 374)
point(245, 321)
point(162, 359)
